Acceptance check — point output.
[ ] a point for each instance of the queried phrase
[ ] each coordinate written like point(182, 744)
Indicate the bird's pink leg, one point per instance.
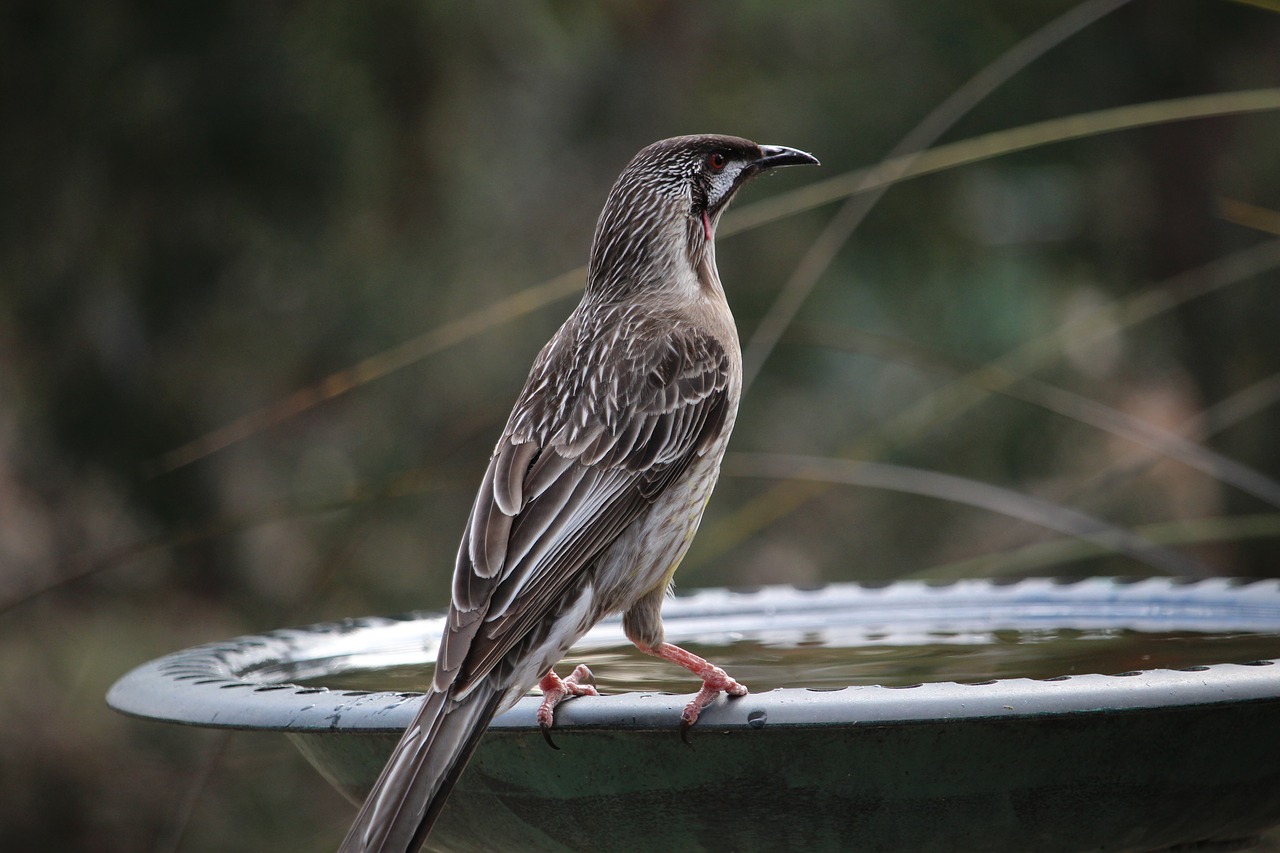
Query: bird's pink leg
point(555, 689)
point(714, 681)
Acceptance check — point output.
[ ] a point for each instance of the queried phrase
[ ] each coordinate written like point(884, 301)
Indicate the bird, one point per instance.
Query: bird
point(594, 491)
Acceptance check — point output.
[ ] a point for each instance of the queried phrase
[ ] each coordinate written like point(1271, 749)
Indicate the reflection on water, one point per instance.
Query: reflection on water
point(885, 658)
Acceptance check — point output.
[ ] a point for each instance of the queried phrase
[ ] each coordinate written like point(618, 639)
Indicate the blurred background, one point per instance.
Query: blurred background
point(271, 275)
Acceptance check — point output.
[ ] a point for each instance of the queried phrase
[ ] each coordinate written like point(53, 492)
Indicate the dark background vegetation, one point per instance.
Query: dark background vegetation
point(207, 208)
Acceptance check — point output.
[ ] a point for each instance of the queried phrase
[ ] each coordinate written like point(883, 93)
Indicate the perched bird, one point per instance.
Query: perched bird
point(598, 483)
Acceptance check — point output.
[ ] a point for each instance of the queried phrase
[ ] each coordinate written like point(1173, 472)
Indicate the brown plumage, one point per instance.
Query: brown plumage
point(598, 483)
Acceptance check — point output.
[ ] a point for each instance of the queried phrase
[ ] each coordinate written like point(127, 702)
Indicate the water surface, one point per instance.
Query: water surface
point(878, 658)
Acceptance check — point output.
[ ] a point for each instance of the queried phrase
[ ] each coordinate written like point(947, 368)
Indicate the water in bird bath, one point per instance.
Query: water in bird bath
point(886, 658)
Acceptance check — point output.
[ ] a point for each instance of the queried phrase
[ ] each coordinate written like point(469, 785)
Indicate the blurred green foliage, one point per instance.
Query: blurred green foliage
point(207, 208)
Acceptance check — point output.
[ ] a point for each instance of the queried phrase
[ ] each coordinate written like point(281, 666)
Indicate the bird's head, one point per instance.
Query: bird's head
point(660, 219)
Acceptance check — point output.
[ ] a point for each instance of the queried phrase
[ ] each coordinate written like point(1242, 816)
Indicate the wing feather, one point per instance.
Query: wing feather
point(511, 465)
point(546, 472)
point(489, 530)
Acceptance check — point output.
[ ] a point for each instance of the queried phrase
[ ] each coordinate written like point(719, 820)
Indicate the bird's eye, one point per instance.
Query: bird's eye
point(716, 161)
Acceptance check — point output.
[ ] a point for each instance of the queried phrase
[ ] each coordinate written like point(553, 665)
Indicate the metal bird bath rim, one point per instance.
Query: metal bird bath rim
point(1139, 760)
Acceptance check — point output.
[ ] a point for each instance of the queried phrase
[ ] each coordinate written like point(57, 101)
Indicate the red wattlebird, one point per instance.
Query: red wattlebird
point(600, 478)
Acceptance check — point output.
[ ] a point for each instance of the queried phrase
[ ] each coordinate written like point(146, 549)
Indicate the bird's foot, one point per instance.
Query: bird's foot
point(714, 682)
point(555, 689)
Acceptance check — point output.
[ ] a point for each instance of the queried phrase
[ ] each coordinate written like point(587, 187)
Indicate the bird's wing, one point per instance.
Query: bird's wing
point(611, 415)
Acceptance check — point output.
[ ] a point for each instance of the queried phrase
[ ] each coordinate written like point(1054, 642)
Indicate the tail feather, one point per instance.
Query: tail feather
point(409, 793)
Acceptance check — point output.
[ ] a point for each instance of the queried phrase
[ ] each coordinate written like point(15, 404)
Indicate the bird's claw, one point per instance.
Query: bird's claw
point(546, 735)
point(714, 682)
point(580, 682)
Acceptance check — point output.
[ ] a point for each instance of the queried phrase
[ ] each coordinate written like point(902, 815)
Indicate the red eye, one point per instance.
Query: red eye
point(716, 160)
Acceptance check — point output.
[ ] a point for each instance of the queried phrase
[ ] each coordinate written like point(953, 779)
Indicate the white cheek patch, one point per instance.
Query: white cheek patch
point(722, 184)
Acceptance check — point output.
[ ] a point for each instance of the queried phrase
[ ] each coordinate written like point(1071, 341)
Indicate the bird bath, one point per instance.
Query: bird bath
point(974, 716)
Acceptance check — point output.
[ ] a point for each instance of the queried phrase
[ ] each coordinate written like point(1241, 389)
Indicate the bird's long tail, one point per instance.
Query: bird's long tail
point(406, 799)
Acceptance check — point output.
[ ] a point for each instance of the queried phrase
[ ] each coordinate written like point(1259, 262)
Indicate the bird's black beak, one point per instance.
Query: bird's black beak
point(780, 155)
